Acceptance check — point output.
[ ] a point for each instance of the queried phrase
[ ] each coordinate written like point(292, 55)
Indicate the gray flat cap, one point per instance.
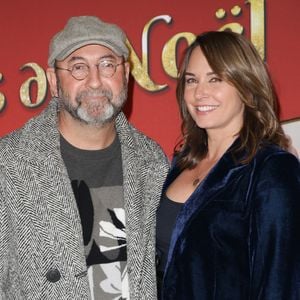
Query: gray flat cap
point(86, 30)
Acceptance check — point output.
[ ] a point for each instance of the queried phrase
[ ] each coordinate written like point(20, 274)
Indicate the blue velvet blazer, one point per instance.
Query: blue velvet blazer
point(238, 235)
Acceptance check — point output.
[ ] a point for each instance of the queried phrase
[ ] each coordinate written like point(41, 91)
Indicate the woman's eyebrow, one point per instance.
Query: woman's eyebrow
point(189, 74)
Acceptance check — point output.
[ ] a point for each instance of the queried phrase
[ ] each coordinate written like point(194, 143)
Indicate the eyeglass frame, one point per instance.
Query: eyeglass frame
point(89, 67)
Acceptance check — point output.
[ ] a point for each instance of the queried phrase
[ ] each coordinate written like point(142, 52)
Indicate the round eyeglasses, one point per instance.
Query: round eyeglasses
point(81, 70)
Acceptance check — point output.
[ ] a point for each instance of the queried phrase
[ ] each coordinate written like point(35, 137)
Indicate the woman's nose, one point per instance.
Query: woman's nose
point(200, 90)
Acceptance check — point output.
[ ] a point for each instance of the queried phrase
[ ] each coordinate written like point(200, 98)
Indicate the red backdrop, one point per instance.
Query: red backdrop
point(153, 30)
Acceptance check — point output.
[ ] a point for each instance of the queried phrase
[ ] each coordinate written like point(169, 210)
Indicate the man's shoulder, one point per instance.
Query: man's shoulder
point(18, 133)
point(144, 140)
point(139, 142)
point(11, 140)
point(146, 146)
point(27, 138)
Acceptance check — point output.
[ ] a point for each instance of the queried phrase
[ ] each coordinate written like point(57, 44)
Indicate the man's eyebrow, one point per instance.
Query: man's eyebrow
point(73, 58)
point(108, 56)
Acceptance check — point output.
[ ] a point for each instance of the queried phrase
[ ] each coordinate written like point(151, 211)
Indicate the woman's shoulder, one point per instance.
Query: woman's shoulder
point(275, 153)
point(275, 163)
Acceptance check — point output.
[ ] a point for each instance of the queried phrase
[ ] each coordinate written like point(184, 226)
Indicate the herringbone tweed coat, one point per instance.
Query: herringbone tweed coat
point(41, 246)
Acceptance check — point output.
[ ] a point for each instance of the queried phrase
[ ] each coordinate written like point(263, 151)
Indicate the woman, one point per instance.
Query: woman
point(232, 199)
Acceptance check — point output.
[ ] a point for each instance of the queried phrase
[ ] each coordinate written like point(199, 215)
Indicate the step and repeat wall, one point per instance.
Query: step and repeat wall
point(158, 31)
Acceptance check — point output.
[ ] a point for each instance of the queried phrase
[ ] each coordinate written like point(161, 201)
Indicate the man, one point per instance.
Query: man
point(79, 186)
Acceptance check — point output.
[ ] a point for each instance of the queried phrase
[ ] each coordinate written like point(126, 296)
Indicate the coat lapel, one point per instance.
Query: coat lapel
point(143, 177)
point(49, 196)
point(132, 175)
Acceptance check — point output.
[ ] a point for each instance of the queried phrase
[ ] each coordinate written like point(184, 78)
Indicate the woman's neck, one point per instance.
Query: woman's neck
point(218, 145)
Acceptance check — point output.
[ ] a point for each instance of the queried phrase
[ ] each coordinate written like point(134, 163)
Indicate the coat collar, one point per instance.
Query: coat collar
point(40, 135)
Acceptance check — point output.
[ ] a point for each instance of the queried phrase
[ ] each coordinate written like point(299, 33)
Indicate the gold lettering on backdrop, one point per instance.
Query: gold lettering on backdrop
point(41, 82)
point(221, 13)
point(236, 27)
point(257, 23)
point(257, 28)
point(140, 69)
point(235, 11)
point(169, 53)
point(2, 97)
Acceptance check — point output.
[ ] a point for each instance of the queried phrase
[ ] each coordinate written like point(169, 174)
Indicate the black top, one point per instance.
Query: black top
point(166, 216)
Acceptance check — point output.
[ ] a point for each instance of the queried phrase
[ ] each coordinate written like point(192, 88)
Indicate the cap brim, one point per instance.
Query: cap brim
point(75, 46)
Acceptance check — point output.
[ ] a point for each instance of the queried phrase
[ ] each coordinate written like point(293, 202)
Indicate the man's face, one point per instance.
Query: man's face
point(96, 99)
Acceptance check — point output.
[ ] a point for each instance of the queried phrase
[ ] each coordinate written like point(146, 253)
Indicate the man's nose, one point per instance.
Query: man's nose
point(94, 78)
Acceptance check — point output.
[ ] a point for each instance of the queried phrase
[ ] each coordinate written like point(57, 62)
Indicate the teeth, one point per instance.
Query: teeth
point(206, 107)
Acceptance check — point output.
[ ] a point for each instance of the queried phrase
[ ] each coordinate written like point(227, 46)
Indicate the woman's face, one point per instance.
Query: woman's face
point(213, 103)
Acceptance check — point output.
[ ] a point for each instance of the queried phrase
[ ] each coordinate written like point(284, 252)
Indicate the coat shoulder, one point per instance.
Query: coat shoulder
point(135, 140)
point(278, 167)
point(277, 157)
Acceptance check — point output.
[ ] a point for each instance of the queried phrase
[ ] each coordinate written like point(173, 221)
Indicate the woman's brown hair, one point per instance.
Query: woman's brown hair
point(232, 57)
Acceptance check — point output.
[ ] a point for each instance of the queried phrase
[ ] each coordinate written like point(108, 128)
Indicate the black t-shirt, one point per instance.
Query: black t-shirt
point(97, 181)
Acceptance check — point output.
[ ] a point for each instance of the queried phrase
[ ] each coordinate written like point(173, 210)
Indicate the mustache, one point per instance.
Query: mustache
point(94, 93)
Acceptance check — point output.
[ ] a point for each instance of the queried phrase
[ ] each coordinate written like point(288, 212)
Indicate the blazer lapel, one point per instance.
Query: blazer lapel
point(222, 173)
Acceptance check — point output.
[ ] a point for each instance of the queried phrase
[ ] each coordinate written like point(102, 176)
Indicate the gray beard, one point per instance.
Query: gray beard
point(109, 106)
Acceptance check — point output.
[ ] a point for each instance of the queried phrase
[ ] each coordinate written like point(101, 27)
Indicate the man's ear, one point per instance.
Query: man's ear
point(52, 79)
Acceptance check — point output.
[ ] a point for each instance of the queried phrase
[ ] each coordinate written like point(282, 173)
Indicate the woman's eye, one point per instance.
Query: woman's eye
point(215, 79)
point(190, 80)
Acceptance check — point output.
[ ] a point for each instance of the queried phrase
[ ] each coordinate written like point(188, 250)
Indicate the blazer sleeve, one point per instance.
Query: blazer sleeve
point(275, 231)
